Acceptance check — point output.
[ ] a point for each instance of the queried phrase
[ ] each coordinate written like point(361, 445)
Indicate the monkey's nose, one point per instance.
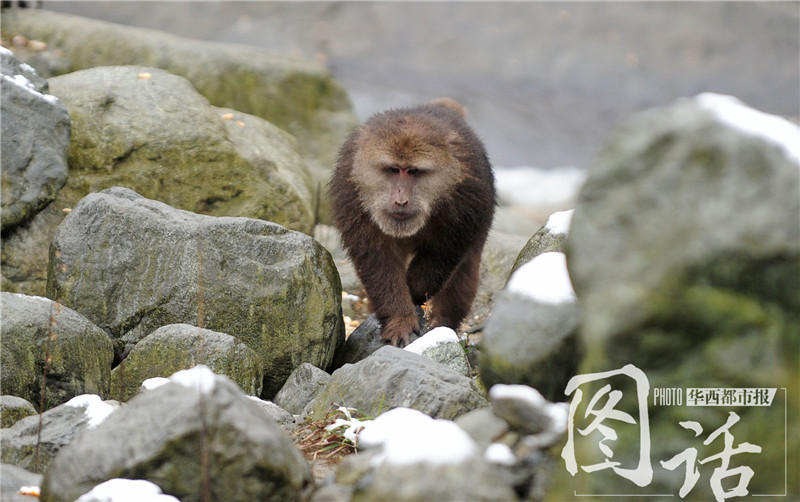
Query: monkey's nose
point(401, 203)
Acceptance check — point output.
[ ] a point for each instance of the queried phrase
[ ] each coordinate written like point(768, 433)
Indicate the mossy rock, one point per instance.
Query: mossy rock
point(298, 96)
point(182, 346)
point(42, 339)
point(685, 253)
point(133, 265)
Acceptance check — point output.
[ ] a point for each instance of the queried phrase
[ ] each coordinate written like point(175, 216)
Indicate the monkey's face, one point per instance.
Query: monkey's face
point(400, 181)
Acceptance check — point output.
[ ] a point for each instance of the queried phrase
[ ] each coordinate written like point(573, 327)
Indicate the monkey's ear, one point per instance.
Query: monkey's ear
point(451, 104)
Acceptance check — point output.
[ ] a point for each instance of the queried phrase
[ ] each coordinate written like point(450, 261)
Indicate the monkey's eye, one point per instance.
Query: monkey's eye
point(413, 171)
point(392, 169)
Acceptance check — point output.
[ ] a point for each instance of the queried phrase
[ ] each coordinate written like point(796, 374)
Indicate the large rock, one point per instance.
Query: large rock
point(35, 136)
point(272, 288)
point(181, 346)
point(35, 329)
point(194, 435)
point(34, 441)
point(531, 338)
point(297, 96)
point(157, 135)
point(685, 253)
point(393, 377)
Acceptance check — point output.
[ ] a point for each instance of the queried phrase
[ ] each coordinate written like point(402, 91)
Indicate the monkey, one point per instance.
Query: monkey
point(413, 196)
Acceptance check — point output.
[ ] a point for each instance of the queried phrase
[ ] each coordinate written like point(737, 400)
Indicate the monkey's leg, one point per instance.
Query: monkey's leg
point(452, 303)
point(428, 272)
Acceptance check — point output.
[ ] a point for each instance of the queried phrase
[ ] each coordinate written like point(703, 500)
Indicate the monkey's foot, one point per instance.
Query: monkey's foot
point(398, 331)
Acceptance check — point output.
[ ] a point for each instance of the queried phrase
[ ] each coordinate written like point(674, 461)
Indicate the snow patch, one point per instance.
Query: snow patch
point(126, 490)
point(410, 436)
point(37, 298)
point(432, 338)
point(5, 51)
point(736, 114)
point(558, 223)
point(544, 279)
point(499, 453)
point(535, 187)
point(23, 83)
point(518, 392)
point(154, 383)
point(96, 409)
point(559, 414)
point(200, 378)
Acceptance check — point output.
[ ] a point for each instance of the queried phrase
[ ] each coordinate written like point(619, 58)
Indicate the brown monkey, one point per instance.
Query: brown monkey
point(413, 196)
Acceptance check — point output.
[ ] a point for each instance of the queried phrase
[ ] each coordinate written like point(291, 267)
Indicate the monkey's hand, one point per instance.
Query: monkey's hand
point(397, 330)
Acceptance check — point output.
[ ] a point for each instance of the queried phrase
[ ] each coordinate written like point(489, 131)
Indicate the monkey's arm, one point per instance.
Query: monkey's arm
point(381, 270)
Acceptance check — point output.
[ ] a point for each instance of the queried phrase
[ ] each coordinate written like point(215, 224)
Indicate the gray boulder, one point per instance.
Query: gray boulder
point(276, 413)
point(301, 387)
point(168, 144)
point(35, 137)
point(13, 479)
point(35, 329)
point(195, 434)
point(443, 346)
point(181, 346)
point(272, 288)
point(685, 252)
point(482, 425)
point(475, 480)
point(13, 409)
point(34, 441)
point(497, 259)
point(551, 237)
point(531, 338)
point(408, 456)
point(159, 136)
point(297, 96)
point(393, 377)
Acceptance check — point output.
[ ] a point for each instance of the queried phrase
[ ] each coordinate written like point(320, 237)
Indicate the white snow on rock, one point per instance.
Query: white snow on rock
point(126, 490)
point(518, 392)
point(736, 114)
point(200, 378)
point(23, 83)
point(432, 338)
point(558, 223)
point(499, 453)
point(96, 409)
point(536, 187)
point(409, 436)
point(5, 51)
point(154, 383)
point(544, 279)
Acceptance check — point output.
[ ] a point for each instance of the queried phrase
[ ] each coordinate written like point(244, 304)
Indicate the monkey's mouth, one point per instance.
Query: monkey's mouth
point(402, 217)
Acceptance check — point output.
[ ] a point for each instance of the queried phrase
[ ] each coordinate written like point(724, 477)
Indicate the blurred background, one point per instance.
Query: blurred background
point(543, 83)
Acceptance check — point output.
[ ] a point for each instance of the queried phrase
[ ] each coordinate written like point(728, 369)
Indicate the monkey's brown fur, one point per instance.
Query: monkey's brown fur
point(413, 196)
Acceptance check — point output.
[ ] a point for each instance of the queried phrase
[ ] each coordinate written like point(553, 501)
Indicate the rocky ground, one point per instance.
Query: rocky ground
point(175, 305)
